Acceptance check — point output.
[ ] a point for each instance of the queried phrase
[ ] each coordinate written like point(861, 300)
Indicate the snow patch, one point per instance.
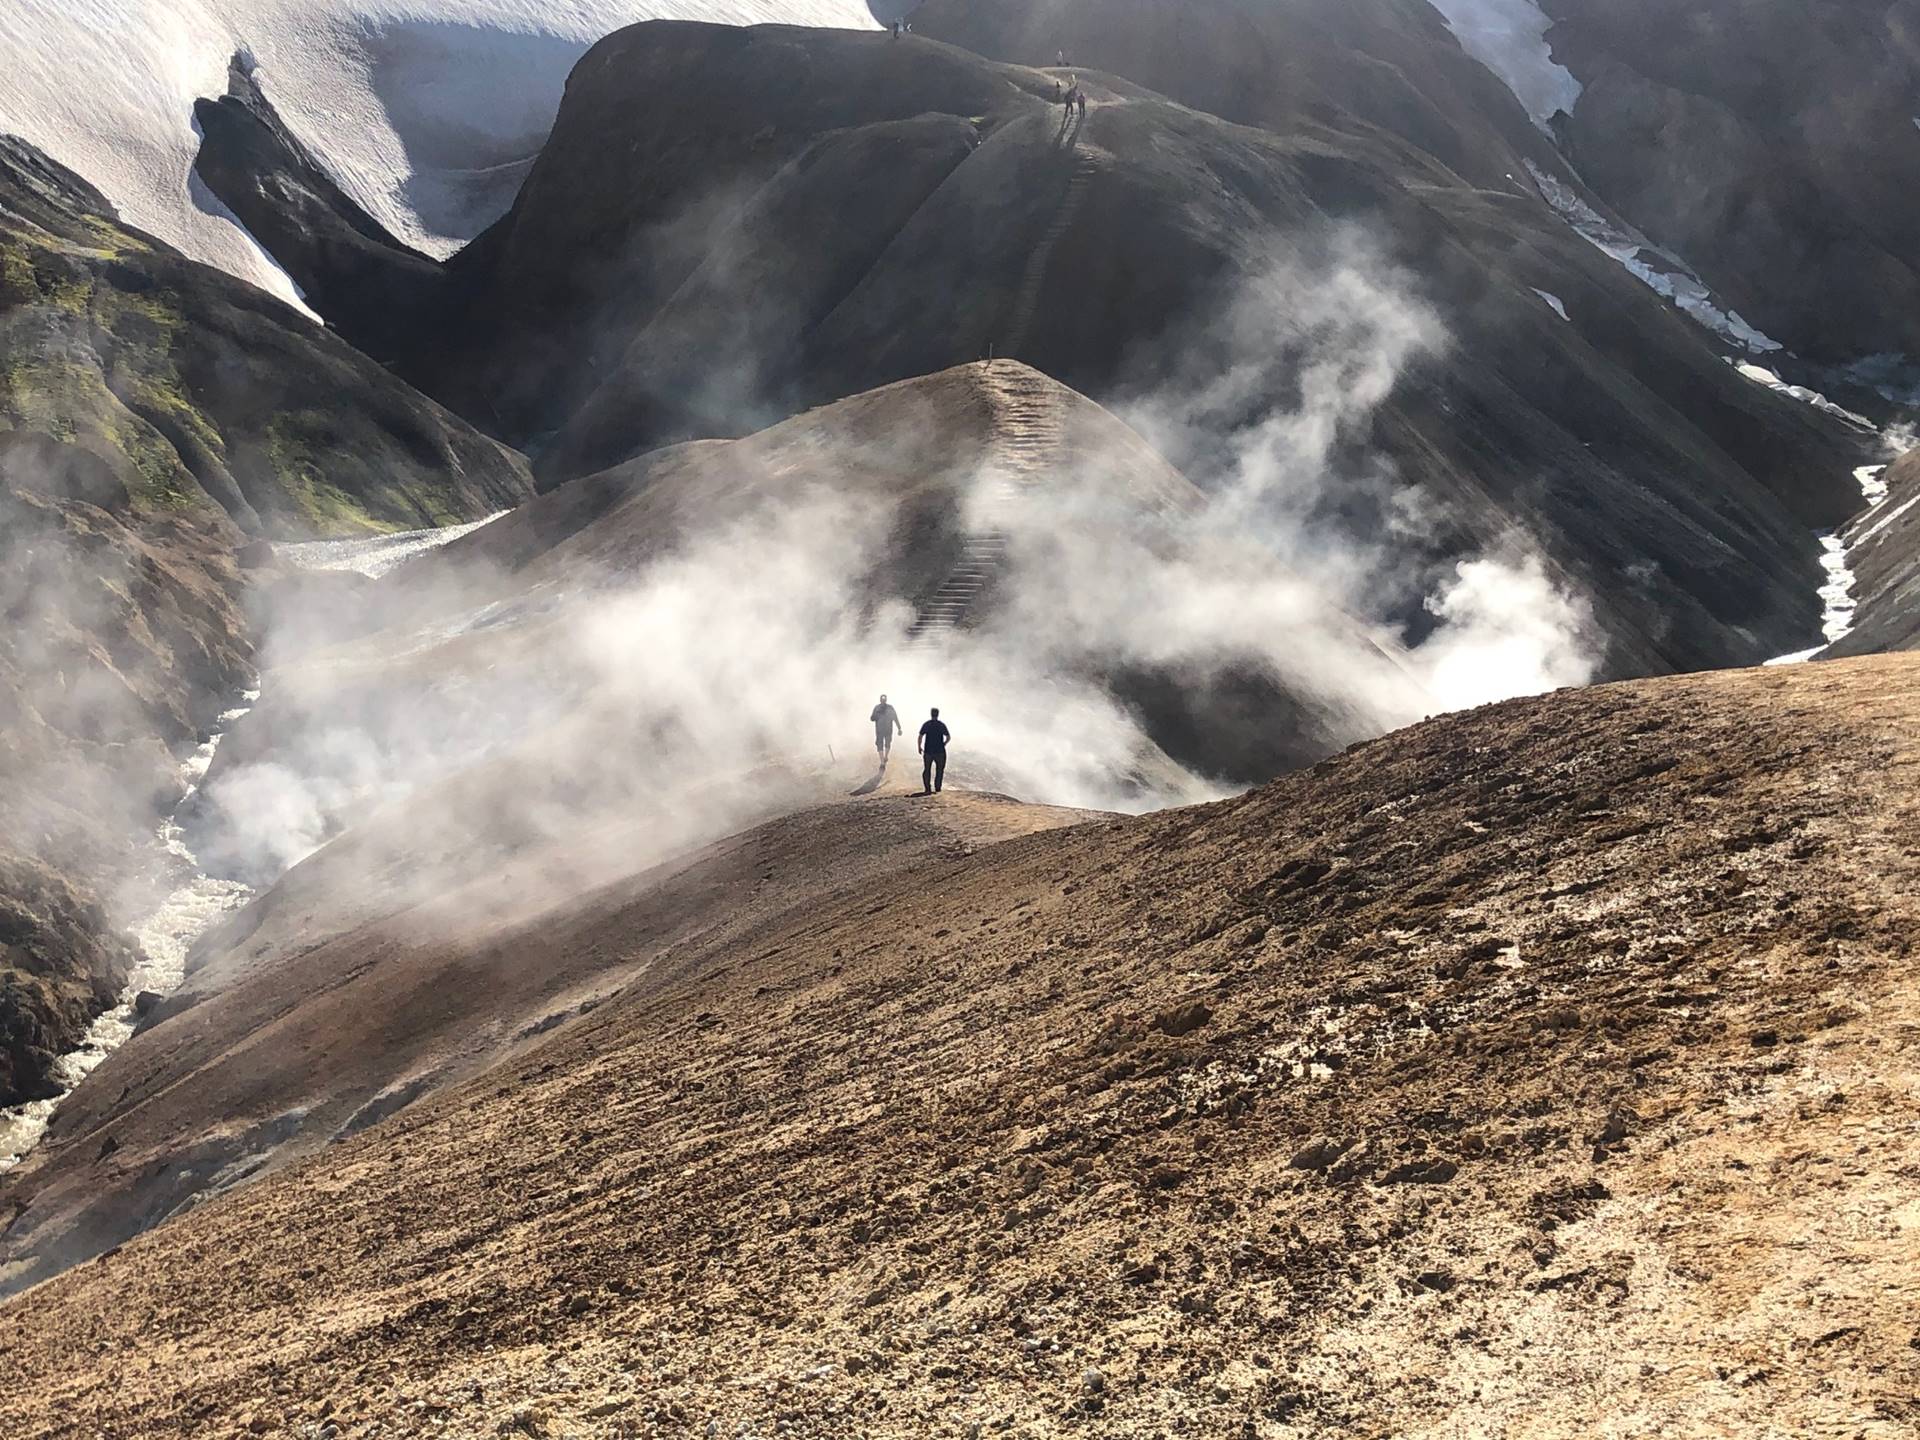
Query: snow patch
point(420, 109)
point(1659, 270)
point(1559, 305)
point(1838, 604)
point(1509, 37)
point(375, 555)
point(1873, 484)
point(1760, 375)
point(1885, 521)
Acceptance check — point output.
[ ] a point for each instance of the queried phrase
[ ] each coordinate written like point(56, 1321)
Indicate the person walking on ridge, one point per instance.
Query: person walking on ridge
point(933, 755)
point(886, 724)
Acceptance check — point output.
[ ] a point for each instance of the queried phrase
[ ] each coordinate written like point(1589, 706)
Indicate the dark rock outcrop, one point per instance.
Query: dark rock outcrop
point(384, 297)
point(60, 965)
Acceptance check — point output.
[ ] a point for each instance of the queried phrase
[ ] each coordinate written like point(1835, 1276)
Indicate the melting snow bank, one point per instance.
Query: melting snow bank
point(1663, 273)
point(375, 555)
point(1760, 375)
point(1509, 37)
point(1837, 600)
point(195, 901)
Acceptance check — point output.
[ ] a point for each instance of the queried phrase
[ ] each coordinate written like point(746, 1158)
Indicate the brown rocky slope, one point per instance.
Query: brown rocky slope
point(1539, 1068)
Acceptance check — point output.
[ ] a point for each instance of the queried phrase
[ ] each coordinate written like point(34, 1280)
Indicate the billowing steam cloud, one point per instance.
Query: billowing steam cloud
point(1291, 567)
point(730, 678)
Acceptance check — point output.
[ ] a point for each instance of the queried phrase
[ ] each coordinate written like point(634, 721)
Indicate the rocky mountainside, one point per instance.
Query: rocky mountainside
point(202, 388)
point(155, 415)
point(427, 111)
point(1525, 1068)
point(586, 1034)
point(729, 225)
point(1314, 64)
point(506, 727)
point(1772, 143)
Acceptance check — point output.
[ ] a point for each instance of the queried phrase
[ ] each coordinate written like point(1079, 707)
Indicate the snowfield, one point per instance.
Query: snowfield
point(426, 111)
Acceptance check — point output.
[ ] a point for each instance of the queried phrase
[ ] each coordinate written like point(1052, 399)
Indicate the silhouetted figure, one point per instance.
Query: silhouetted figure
point(886, 724)
point(1080, 96)
point(933, 755)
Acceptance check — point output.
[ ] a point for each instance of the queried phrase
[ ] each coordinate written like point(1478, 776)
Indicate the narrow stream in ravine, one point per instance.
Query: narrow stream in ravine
point(195, 899)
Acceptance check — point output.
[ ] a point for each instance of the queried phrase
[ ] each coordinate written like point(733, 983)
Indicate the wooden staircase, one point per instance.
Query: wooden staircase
point(1027, 302)
point(1028, 434)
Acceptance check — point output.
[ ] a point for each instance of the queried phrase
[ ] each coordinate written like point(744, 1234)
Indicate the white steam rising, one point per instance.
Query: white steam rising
point(729, 674)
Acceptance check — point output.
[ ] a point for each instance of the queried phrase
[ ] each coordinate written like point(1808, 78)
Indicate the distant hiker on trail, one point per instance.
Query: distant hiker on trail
point(933, 754)
point(1080, 96)
point(886, 724)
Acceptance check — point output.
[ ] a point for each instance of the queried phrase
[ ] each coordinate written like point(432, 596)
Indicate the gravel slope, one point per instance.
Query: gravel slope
point(1537, 1070)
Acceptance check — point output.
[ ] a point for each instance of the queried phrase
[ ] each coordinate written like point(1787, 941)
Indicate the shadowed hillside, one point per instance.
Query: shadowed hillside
point(1772, 143)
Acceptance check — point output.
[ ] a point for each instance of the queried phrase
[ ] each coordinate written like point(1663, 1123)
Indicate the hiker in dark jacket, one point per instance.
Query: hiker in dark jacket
point(933, 755)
